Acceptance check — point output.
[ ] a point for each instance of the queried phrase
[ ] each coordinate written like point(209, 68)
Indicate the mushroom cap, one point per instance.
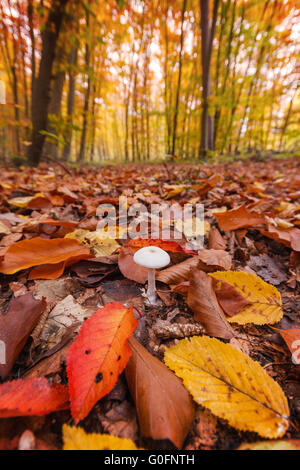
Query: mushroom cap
point(152, 257)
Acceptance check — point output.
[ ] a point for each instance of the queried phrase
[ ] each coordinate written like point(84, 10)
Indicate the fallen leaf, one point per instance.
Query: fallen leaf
point(268, 269)
point(100, 244)
point(231, 301)
point(39, 201)
point(230, 385)
point(78, 439)
point(264, 299)
point(237, 218)
point(179, 272)
point(32, 397)
point(202, 300)
point(174, 247)
point(292, 339)
point(39, 251)
point(16, 324)
point(212, 260)
point(66, 313)
point(165, 409)
point(129, 268)
point(4, 229)
point(98, 356)
point(291, 444)
point(215, 240)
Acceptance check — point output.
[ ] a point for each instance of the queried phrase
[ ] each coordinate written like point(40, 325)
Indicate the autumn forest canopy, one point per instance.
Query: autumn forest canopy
point(135, 81)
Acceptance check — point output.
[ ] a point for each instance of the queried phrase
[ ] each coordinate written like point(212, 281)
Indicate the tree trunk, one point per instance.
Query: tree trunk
point(51, 146)
point(41, 93)
point(70, 105)
point(86, 98)
point(179, 79)
point(207, 36)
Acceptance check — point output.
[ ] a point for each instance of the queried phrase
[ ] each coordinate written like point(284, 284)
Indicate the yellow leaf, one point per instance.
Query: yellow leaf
point(174, 192)
point(292, 444)
point(98, 242)
point(190, 225)
point(265, 299)
point(219, 210)
point(230, 385)
point(78, 439)
point(281, 223)
point(23, 202)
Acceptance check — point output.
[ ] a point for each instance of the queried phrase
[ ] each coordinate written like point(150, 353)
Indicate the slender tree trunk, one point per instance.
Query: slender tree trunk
point(54, 111)
point(70, 105)
point(287, 118)
point(32, 39)
point(87, 97)
point(207, 36)
point(179, 79)
point(41, 95)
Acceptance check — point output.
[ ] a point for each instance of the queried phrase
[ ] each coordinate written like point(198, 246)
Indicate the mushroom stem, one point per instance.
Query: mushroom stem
point(151, 292)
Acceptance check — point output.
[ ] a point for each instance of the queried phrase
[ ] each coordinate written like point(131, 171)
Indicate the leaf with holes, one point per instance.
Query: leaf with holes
point(263, 298)
point(230, 385)
point(98, 356)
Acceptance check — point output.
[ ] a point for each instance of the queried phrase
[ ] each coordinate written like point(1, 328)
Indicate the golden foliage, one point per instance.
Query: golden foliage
point(230, 385)
point(78, 439)
point(265, 299)
point(98, 242)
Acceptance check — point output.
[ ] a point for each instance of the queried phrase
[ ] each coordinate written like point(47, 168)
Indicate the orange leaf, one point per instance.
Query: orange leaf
point(28, 253)
point(166, 245)
point(32, 397)
point(98, 356)
point(292, 339)
point(238, 218)
point(47, 271)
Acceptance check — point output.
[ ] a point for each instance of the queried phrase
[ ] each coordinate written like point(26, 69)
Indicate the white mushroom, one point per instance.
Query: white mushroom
point(153, 258)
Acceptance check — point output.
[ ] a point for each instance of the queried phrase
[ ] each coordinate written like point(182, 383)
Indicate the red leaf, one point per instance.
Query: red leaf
point(32, 397)
point(98, 356)
point(166, 245)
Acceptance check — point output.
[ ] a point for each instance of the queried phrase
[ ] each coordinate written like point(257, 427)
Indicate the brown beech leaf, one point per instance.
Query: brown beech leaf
point(32, 397)
point(215, 240)
point(231, 301)
point(16, 325)
point(203, 301)
point(214, 260)
point(292, 339)
point(237, 218)
point(165, 409)
point(295, 240)
point(129, 268)
point(289, 237)
point(179, 272)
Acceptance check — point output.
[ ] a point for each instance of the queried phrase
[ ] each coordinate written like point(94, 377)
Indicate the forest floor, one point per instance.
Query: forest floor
point(262, 239)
